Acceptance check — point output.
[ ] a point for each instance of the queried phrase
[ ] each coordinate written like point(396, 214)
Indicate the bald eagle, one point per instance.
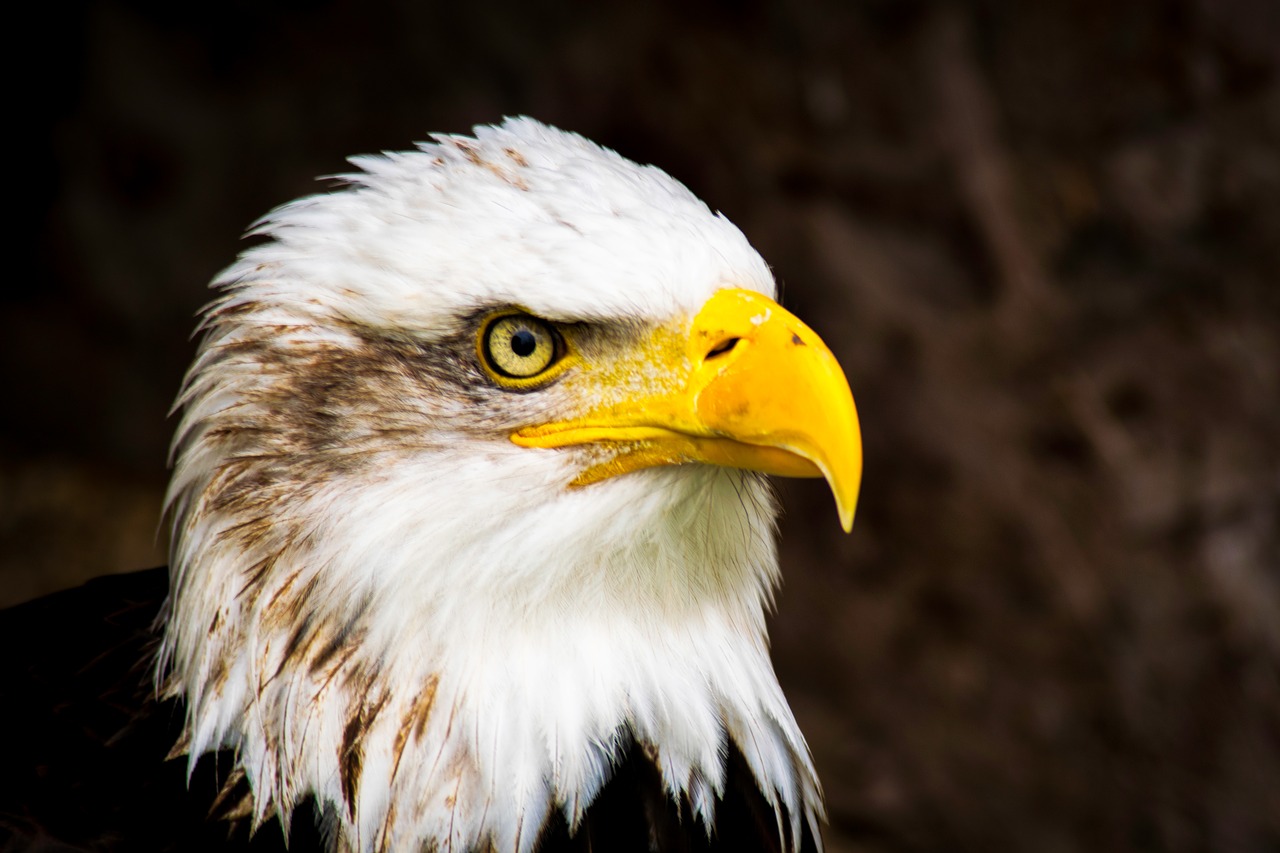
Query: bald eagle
point(472, 543)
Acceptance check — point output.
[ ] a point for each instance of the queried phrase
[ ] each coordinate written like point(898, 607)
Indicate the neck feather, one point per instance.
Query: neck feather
point(431, 674)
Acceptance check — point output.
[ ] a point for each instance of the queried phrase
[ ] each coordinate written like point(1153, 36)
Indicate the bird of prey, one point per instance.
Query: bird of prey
point(472, 539)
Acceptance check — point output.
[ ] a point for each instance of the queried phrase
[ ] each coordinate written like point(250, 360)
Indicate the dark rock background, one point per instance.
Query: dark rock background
point(1043, 238)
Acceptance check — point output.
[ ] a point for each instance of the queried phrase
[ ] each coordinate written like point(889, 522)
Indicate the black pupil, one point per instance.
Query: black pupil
point(523, 343)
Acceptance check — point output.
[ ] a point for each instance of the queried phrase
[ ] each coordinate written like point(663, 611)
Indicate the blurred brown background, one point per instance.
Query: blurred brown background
point(1043, 238)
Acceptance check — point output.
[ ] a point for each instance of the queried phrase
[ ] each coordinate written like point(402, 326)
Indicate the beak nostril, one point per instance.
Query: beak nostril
point(721, 348)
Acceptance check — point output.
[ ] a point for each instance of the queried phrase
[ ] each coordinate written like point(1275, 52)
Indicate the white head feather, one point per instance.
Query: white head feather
point(378, 599)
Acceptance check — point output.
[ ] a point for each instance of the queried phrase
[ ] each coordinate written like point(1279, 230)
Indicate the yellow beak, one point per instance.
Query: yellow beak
point(746, 385)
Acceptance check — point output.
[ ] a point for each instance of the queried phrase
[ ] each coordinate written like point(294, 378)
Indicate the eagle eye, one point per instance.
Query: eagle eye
point(517, 346)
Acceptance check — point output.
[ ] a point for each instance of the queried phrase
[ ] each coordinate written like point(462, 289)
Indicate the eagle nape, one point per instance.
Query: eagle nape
point(472, 538)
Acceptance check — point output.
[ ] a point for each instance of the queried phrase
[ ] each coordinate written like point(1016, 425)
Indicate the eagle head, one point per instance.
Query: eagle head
point(469, 498)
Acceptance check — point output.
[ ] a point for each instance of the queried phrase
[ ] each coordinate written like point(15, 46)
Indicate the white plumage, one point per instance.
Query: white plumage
point(381, 600)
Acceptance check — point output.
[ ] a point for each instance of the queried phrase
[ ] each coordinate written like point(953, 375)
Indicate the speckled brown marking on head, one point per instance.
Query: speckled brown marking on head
point(290, 610)
point(415, 720)
point(223, 311)
point(516, 157)
point(422, 708)
point(249, 532)
point(218, 675)
point(468, 148)
point(300, 639)
point(503, 175)
point(515, 180)
point(348, 637)
point(181, 746)
point(472, 152)
point(331, 635)
point(384, 834)
point(344, 656)
point(284, 587)
point(351, 755)
point(255, 573)
point(235, 799)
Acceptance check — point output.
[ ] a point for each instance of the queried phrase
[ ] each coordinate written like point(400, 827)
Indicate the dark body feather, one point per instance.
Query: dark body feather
point(86, 768)
point(86, 764)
